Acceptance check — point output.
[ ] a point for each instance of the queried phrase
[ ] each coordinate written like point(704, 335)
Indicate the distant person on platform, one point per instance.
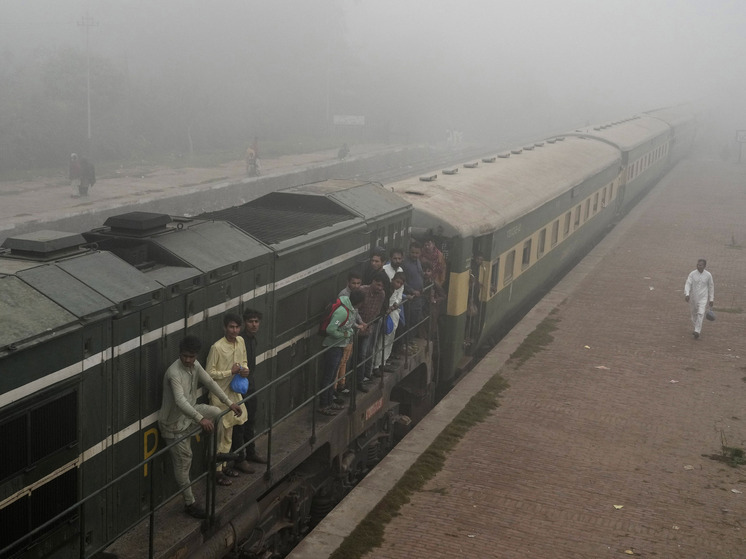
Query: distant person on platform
point(82, 175)
point(699, 291)
point(252, 162)
point(180, 413)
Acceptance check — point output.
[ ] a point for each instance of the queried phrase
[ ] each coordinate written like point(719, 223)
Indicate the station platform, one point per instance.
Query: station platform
point(610, 441)
point(48, 203)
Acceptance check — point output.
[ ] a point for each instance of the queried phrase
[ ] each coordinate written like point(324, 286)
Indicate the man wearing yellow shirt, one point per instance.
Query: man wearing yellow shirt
point(227, 357)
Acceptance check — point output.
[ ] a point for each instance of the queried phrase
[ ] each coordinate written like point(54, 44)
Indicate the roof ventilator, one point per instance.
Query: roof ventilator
point(44, 245)
point(489, 159)
point(516, 151)
point(450, 171)
point(504, 155)
point(429, 178)
point(473, 165)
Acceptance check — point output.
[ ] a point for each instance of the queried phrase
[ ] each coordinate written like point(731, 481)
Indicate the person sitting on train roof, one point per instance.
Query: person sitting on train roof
point(252, 318)
point(180, 412)
point(339, 335)
point(354, 281)
point(431, 254)
point(370, 310)
point(227, 357)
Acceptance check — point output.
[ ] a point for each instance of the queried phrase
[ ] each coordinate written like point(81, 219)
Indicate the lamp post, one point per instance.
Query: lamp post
point(88, 22)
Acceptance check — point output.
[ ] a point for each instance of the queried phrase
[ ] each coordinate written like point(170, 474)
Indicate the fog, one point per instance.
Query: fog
point(230, 70)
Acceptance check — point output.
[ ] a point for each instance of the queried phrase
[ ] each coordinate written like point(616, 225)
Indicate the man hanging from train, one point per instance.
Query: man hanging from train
point(226, 359)
point(180, 413)
point(699, 291)
point(244, 433)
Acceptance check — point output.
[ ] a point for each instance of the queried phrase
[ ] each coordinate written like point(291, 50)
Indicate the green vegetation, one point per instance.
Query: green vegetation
point(369, 533)
point(536, 340)
point(730, 455)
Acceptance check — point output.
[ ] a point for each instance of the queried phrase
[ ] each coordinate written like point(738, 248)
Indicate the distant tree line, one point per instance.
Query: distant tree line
point(43, 109)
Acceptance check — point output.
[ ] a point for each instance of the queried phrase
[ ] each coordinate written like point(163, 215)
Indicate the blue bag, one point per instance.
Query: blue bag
point(239, 384)
point(389, 323)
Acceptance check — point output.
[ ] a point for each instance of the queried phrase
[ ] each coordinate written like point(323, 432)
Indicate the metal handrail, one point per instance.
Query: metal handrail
point(212, 446)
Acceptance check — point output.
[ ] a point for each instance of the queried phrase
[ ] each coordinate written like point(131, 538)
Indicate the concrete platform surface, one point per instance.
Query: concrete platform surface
point(602, 445)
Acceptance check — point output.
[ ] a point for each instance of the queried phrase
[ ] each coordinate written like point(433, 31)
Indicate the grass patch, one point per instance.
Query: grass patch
point(730, 455)
point(369, 533)
point(537, 340)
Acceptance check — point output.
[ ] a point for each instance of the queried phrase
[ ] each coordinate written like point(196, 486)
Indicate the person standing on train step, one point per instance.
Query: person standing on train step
point(180, 413)
point(699, 291)
point(227, 358)
point(370, 311)
point(413, 290)
point(354, 281)
point(244, 433)
point(374, 264)
point(339, 334)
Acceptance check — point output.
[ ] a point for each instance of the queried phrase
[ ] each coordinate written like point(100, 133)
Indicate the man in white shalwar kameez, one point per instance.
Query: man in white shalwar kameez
point(699, 291)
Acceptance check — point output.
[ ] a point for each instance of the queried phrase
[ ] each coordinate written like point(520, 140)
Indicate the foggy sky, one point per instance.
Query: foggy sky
point(475, 65)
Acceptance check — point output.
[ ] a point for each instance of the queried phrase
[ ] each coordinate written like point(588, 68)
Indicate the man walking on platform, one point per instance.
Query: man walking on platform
point(699, 291)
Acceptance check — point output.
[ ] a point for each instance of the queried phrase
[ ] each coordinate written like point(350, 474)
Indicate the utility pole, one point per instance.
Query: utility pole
point(88, 22)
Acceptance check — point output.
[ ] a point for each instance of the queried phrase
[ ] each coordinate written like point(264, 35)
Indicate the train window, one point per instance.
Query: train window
point(566, 230)
point(577, 216)
point(611, 191)
point(595, 203)
point(509, 265)
point(494, 277)
point(587, 211)
point(555, 232)
point(526, 260)
point(542, 243)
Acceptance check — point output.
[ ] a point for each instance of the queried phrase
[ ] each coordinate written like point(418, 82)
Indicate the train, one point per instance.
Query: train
point(90, 321)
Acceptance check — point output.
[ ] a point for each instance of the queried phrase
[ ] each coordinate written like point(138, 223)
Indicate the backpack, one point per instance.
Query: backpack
point(328, 313)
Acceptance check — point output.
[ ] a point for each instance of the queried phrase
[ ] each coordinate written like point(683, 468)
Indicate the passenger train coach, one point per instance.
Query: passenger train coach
point(89, 323)
point(510, 225)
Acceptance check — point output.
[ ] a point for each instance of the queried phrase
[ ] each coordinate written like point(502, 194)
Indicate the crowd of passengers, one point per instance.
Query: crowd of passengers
point(387, 296)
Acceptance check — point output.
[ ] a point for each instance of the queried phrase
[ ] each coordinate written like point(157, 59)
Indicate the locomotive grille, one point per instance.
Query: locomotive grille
point(53, 426)
point(280, 216)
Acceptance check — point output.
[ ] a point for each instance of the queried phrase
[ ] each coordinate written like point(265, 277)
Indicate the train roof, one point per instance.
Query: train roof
point(367, 199)
point(310, 210)
point(626, 134)
point(79, 279)
point(674, 116)
point(479, 200)
point(26, 314)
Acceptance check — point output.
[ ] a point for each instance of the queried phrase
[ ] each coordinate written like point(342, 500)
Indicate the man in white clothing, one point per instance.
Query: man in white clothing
point(699, 291)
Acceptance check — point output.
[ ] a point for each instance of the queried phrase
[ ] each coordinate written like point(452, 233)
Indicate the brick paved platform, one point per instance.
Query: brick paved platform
point(598, 451)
